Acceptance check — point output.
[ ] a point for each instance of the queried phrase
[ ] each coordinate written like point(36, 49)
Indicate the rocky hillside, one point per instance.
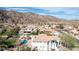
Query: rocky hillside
point(25, 18)
point(13, 17)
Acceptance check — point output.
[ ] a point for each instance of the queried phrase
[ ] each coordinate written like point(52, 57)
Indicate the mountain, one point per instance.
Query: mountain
point(13, 17)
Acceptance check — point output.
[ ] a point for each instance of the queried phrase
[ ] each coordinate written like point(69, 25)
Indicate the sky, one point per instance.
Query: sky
point(60, 12)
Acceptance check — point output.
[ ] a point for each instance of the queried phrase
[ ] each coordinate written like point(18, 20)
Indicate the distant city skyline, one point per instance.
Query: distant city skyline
point(60, 12)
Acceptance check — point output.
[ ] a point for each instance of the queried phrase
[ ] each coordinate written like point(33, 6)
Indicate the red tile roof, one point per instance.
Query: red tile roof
point(44, 37)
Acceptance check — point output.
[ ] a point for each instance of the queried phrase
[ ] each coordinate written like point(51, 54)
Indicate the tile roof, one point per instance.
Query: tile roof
point(44, 37)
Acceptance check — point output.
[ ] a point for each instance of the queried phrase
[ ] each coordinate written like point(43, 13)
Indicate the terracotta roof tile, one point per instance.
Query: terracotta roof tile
point(44, 37)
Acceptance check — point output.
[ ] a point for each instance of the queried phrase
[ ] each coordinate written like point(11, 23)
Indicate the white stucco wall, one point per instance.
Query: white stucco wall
point(44, 46)
point(41, 46)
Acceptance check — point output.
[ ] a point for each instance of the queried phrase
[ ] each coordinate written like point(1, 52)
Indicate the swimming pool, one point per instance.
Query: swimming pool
point(24, 41)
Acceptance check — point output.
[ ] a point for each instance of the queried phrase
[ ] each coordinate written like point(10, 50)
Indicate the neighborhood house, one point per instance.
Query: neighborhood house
point(46, 43)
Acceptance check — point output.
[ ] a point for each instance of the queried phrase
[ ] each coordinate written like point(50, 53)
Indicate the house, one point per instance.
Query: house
point(28, 29)
point(69, 27)
point(54, 26)
point(77, 37)
point(46, 26)
point(56, 33)
point(46, 29)
point(74, 31)
point(22, 31)
point(45, 43)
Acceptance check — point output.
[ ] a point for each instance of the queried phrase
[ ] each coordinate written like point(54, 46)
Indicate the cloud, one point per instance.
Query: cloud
point(62, 10)
point(16, 8)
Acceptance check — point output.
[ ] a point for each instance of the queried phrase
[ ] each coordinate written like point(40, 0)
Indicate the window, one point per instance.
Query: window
point(53, 41)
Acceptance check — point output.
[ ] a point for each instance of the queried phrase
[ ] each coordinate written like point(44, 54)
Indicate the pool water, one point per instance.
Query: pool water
point(24, 41)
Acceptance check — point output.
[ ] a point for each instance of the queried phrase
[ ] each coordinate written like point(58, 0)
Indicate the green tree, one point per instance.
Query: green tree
point(12, 32)
point(10, 42)
point(61, 26)
point(35, 33)
point(69, 41)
